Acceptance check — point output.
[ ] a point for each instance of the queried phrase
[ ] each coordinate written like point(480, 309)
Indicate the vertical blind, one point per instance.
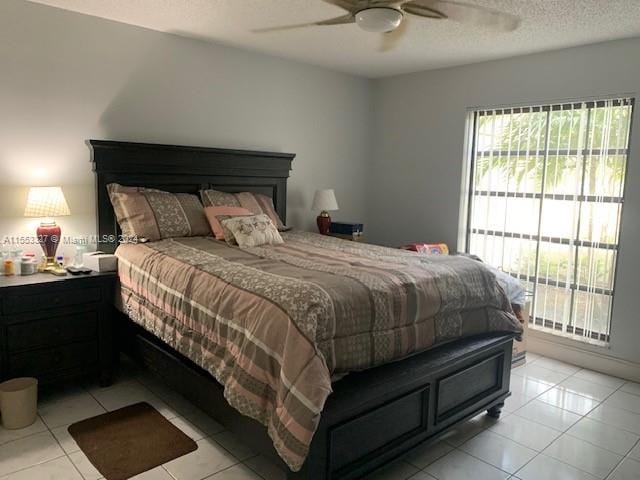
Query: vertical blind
point(546, 195)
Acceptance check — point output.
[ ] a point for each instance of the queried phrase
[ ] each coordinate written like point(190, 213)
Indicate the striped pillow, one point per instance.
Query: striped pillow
point(256, 203)
point(149, 214)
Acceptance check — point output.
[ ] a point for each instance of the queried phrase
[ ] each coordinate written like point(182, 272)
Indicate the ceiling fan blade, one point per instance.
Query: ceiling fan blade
point(344, 19)
point(353, 6)
point(350, 6)
point(422, 9)
point(391, 39)
point(383, 3)
point(465, 13)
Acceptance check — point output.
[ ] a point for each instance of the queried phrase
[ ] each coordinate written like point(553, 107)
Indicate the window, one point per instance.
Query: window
point(546, 194)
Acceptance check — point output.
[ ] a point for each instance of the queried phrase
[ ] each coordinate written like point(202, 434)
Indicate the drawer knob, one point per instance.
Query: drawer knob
point(57, 357)
point(57, 331)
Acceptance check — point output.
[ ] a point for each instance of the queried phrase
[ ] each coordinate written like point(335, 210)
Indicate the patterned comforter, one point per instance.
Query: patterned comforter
point(273, 323)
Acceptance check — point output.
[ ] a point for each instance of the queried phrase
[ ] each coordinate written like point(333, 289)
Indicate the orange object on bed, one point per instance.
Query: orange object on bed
point(435, 248)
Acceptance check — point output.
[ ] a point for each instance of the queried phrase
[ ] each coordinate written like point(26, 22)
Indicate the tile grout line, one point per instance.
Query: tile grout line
point(538, 453)
point(224, 470)
point(256, 472)
point(39, 433)
point(26, 436)
point(599, 446)
point(167, 471)
point(62, 448)
point(50, 431)
point(490, 464)
point(205, 436)
point(565, 432)
point(600, 403)
point(622, 459)
point(522, 444)
point(36, 464)
point(105, 411)
point(627, 456)
point(98, 401)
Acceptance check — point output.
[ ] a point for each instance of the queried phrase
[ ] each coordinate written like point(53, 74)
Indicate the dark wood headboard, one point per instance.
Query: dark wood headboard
point(185, 169)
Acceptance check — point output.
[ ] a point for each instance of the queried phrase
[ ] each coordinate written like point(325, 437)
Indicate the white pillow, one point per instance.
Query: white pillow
point(252, 231)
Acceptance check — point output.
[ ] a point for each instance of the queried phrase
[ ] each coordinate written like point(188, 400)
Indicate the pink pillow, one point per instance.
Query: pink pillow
point(213, 212)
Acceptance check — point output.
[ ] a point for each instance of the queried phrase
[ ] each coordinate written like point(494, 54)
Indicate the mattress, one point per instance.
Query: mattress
point(272, 324)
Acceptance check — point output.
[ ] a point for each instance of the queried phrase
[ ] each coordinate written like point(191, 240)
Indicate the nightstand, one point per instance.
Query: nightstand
point(353, 238)
point(57, 328)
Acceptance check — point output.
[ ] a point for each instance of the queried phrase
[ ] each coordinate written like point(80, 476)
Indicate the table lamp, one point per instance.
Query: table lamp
point(46, 203)
point(325, 201)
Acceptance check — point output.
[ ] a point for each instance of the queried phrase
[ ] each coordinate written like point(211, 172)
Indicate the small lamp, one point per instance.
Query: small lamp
point(48, 202)
point(325, 201)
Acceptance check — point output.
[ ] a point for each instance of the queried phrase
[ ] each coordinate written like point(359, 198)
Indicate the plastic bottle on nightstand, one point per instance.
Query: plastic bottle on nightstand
point(8, 267)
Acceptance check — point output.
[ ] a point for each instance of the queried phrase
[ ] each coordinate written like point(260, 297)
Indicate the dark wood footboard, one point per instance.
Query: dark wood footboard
point(372, 417)
point(380, 414)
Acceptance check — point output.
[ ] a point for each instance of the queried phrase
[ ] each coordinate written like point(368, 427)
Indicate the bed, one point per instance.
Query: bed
point(385, 406)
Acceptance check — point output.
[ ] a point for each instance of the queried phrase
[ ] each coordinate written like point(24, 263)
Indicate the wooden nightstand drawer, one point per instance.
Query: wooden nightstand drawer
point(38, 362)
point(57, 328)
point(53, 331)
point(44, 301)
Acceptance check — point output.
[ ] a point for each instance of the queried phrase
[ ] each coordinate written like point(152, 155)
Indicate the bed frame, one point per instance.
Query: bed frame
point(372, 417)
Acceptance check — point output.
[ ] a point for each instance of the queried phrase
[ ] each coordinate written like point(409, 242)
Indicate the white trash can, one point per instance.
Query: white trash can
point(18, 402)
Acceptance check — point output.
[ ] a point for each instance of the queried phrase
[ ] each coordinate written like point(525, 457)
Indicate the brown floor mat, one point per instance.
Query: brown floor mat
point(129, 441)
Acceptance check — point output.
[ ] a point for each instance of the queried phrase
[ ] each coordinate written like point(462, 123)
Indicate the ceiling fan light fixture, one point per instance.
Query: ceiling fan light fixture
point(379, 19)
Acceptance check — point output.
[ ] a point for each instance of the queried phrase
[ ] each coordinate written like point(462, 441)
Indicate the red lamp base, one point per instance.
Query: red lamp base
point(324, 223)
point(49, 237)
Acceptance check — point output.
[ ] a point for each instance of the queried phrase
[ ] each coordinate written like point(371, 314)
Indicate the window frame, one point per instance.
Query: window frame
point(469, 193)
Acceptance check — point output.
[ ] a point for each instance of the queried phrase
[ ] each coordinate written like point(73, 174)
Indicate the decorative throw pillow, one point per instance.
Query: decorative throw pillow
point(216, 214)
point(254, 202)
point(149, 214)
point(252, 231)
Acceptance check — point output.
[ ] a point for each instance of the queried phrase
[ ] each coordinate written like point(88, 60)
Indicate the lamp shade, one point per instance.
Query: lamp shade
point(324, 200)
point(46, 202)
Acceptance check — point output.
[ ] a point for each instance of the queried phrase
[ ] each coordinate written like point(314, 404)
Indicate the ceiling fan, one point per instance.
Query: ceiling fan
point(391, 17)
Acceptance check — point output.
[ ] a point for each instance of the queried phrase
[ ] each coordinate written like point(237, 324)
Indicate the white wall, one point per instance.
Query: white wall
point(419, 149)
point(66, 77)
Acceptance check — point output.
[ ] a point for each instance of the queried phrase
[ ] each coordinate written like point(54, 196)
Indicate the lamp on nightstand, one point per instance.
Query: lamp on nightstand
point(325, 201)
point(46, 203)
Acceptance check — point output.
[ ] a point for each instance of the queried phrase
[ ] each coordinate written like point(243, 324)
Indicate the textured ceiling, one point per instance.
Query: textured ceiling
point(546, 25)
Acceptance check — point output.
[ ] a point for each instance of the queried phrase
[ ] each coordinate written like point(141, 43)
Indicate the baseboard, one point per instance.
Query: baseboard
point(518, 358)
point(583, 358)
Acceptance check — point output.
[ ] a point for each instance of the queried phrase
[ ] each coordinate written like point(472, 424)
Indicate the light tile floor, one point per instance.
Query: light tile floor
point(561, 423)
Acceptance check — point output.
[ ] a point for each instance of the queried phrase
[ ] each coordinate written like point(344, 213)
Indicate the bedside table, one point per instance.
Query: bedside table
point(57, 328)
point(352, 238)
